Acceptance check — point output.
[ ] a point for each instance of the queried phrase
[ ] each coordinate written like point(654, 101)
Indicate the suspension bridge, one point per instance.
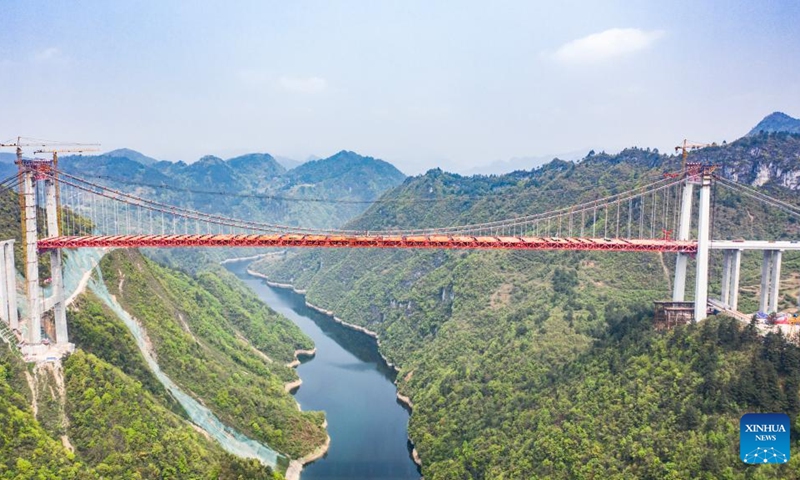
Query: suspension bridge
point(74, 213)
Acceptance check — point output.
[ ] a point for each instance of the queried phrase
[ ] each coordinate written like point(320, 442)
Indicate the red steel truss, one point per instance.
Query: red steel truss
point(369, 241)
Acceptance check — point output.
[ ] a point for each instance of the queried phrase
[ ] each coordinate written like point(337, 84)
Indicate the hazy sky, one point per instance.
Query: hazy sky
point(421, 84)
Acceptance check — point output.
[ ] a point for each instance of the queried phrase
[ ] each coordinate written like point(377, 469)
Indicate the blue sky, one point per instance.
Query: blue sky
point(421, 84)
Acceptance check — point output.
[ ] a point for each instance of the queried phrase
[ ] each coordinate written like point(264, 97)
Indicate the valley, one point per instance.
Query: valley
point(413, 240)
point(518, 364)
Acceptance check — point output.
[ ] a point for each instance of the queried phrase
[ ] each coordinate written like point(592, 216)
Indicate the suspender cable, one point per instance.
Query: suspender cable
point(630, 216)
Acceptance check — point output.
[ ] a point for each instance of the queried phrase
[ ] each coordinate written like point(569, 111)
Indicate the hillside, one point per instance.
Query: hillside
point(486, 340)
point(103, 413)
point(215, 339)
point(210, 335)
point(115, 428)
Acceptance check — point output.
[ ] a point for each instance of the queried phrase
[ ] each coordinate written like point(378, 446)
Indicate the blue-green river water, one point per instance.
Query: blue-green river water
point(350, 382)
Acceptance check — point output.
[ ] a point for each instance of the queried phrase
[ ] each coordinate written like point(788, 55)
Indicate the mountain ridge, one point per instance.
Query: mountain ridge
point(272, 194)
point(132, 155)
point(477, 335)
point(776, 122)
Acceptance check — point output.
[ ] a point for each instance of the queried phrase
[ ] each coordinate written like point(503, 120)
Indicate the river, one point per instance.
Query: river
point(350, 382)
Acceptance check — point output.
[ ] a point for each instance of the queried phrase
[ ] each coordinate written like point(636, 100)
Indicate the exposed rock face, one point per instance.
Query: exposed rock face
point(764, 159)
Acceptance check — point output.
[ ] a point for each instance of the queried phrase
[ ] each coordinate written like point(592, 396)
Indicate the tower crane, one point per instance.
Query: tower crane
point(44, 145)
point(89, 147)
point(685, 149)
point(687, 146)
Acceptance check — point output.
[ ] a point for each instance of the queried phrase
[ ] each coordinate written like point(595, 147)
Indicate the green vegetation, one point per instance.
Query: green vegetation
point(120, 420)
point(95, 329)
point(486, 340)
point(26, 449)
point(199, 332)
point(120, 429)
point(637, 404)
point(116, 427)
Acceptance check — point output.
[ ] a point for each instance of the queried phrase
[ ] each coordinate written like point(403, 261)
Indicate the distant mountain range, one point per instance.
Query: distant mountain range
point(254, 186)
point(132, 155)
point(345, 175)
point(288, 163)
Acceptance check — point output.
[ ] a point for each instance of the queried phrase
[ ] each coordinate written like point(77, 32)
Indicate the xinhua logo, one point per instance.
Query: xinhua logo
point(764, 438)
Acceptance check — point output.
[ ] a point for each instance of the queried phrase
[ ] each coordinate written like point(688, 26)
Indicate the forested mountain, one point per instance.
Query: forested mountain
point(776, 122)
point(132, 155)
point(253, 186)
point(542, 364)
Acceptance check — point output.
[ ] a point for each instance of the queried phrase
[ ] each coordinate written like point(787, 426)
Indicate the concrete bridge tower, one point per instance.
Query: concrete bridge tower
point(695, 175)
point(32, 172)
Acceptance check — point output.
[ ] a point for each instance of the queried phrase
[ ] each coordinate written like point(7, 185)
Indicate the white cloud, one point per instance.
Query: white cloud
point(606, 45)
point(303, 84)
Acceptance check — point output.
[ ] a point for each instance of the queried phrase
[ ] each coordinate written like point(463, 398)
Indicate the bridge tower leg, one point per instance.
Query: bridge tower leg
point(703, 243)
point(11, 283)
point(57, 279)
point(5, 315)
point(725, 291)
point(8, 285)
point(775, 280)
point(766, 265)
point(731, 265)
point(31, 260)
point(770, 281)
point(679, 285)
point(733, 288)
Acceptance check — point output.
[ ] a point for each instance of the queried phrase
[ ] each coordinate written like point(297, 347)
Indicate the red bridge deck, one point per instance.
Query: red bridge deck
point(369, 241)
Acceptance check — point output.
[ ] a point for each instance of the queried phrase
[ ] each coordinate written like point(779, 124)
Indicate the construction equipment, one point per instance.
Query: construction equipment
point(86, 147)
point(687, 146)
point(44, 144)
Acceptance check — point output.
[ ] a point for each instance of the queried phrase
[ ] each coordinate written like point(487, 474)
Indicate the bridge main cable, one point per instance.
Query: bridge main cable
point(98, 189)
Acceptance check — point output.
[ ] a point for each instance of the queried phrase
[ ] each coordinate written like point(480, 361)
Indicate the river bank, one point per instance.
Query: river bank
point(403, 400)
point(296, 466)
